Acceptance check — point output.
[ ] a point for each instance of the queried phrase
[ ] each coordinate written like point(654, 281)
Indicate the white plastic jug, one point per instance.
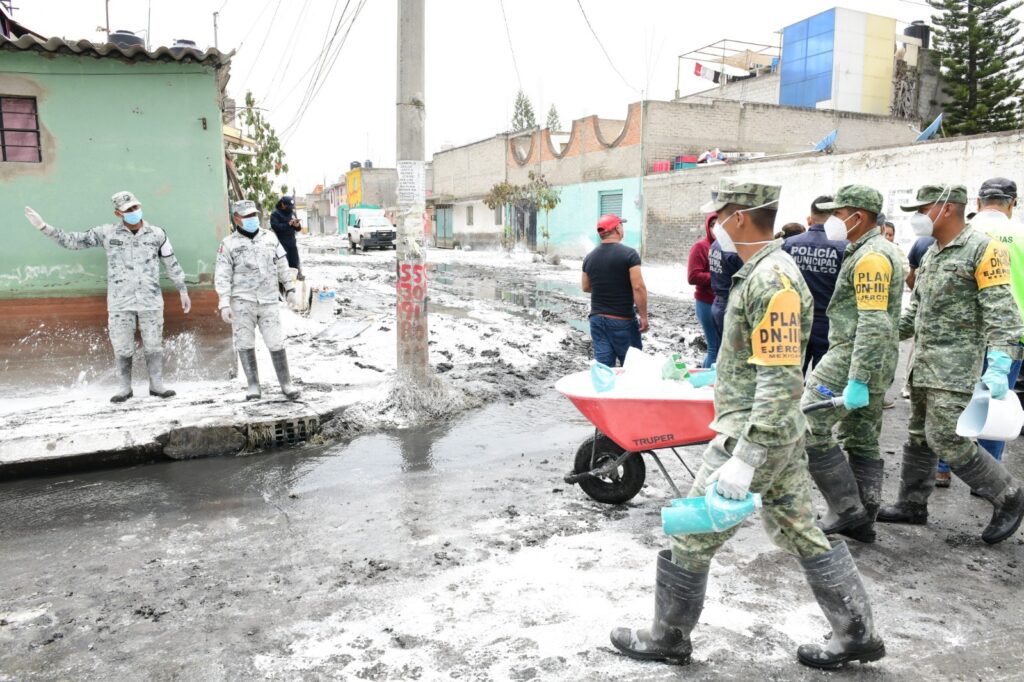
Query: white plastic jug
point(990, 419)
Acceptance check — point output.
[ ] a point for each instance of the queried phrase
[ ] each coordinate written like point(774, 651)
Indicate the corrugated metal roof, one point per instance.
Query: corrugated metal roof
point(135, 53)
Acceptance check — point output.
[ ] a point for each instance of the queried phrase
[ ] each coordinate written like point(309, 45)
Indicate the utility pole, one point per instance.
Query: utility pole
point(411, 308)
point(107, 4)
point(215, 46)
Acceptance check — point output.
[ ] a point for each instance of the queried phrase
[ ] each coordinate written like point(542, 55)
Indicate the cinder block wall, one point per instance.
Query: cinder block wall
point(470, 170)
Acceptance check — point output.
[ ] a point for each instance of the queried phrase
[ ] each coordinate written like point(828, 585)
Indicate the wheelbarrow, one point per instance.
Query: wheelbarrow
point(609, 465)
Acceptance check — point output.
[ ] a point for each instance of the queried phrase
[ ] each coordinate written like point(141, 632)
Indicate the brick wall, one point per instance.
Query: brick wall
point(763, 89)
point(672, 200)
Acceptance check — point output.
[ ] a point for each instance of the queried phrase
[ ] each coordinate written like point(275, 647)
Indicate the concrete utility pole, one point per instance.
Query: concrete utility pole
point(411, 310)
point(215, 45)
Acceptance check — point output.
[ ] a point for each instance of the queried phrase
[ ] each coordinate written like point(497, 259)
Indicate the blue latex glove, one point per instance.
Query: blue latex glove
point(705, 378)
point(855, 395)
point(995, 376)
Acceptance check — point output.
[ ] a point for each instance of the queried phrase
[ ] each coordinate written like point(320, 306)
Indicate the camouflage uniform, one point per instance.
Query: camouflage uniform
point(863, 318)
point(246, 278)
point(757, 392)
point(133, 279)
point(962, 306)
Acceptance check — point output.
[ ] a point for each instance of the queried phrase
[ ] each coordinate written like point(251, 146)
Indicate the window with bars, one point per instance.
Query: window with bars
point(498, 217)
point(611, 203)
point(469, 215)
point(19, 130)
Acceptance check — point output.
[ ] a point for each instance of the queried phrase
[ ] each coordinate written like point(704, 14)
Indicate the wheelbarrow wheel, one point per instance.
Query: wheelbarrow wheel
point(620, 485)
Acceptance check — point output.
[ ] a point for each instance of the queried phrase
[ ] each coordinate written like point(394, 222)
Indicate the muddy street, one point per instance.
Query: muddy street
point(455, 551)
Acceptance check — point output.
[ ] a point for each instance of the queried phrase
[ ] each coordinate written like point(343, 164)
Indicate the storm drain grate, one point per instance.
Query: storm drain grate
point(282, 433)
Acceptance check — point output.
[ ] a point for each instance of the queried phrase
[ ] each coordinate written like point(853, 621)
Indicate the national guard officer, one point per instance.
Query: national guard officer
point(759, 447)
point(250, 265)
point(863, 350)
point(962, 313)
point(135, 249)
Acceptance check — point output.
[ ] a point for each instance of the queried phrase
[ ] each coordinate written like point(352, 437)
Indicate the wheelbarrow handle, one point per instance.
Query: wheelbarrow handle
point(829, 404)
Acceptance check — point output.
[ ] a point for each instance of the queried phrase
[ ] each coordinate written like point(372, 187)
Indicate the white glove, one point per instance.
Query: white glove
point(733, 478)
point(186, 302)
point(292, 298)
point(226, 314)
point(34, 218)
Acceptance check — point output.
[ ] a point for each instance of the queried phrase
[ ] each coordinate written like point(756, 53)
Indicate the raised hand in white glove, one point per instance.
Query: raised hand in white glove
point(292, 298)
point(34, 218)
point(733, 478)
point(226, 315)
point(186, 302)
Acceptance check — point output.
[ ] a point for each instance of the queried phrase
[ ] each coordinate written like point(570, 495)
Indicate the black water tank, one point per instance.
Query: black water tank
point(126, 39)
point(368, 164)
point(182, 44)
point(354, 165)
point(920, 30)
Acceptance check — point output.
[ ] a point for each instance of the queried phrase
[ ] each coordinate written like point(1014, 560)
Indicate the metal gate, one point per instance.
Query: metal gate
point(444, 237)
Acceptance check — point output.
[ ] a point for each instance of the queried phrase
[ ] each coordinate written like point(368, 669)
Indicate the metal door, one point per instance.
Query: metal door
point(444, 237)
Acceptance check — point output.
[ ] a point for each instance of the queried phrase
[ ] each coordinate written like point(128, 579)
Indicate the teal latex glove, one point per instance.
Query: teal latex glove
point(705, 378)
point(855, 395)
point(995, 376)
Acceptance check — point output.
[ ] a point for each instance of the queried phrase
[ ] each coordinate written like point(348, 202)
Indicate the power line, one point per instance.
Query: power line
point(510, 48)
point(282, 66)
point(259, 52)
point(601, 45)
point(316, 60)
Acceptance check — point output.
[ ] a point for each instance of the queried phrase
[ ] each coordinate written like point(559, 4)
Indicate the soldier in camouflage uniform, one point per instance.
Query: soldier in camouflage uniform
point(135, 250)
point(863, 350)
point(759, 447)
point(250, 264)
point(961, 306)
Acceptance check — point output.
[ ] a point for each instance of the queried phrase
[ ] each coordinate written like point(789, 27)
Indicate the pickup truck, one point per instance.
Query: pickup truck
point(371, 232)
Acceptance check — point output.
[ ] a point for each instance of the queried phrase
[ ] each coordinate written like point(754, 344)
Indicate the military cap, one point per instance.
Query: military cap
point(855, 196)
point(998, 188)
point(244, 207)
point(746, 194)
point(124, 200)
point(935, 194)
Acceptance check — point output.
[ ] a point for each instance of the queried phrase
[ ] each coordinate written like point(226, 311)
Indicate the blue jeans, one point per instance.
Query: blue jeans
point(612, 338)
point(707, 321)
point(994, 447)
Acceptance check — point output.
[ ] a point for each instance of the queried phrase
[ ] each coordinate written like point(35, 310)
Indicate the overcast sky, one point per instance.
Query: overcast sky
point(471, 79)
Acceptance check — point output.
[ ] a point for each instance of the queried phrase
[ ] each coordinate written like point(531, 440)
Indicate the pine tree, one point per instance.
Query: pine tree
point(554, 124)
point(523, 117)
point(981, 59)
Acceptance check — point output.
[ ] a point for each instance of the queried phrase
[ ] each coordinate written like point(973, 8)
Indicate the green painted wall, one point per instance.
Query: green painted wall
point(110, 125)
point(573, 223)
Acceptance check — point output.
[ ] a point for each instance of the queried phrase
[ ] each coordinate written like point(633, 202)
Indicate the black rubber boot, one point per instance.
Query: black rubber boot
point(834, 478)
point(252, 374)
point(917, 481)
point(991, 480)
point(837, 586)
point(155, 365)
point(678, 601)
point(124, 375)
point(869, 474)
point(280, 359)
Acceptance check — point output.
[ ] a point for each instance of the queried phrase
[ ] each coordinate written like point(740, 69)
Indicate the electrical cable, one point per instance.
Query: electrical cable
point(260, 51)
point(601, 45)
point(283, 64)
point(511, 49)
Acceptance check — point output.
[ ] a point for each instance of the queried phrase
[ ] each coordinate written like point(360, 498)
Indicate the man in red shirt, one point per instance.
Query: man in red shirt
point(698, 269)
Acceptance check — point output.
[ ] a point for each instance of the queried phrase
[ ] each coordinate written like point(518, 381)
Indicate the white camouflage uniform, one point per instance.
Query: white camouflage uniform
point(247, 276)
point(134, 298)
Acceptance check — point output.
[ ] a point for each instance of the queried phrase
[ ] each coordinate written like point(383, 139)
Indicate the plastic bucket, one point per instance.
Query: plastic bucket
point(990, 419)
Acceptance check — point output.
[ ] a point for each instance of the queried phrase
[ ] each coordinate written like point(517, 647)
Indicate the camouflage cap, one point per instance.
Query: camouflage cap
point(123, 201)
point(746, 194)
point(244, 207)
point(934, 194)
point(855, 196)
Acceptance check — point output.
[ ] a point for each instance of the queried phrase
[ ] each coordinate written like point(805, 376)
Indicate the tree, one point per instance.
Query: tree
point(535, 195)
point(981, 59)
point(554, 124)
point(255, 172)
point(522, 117)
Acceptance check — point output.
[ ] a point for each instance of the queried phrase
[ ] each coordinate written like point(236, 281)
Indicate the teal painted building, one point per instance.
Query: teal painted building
point(572, 224)
point(107, 119)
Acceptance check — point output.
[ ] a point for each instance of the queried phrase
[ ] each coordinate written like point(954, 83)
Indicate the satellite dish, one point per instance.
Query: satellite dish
point(929, 132)
point(827, 143)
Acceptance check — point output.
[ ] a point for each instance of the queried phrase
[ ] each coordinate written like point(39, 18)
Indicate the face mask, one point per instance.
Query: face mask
point(250, 225)
point(725, 241)
point(132, 217)
point(922, 223)
point(835, 228)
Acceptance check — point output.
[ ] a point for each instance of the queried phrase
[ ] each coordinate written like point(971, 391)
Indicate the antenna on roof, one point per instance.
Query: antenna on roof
point(827, 144)
point(929, 132)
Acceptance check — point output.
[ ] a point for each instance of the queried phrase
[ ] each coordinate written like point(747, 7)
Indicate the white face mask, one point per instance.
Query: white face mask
point(922, 223)
point(726, 242)
point(835, 228)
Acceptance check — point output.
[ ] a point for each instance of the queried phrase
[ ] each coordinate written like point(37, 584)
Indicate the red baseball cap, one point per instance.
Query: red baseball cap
point(609, 222)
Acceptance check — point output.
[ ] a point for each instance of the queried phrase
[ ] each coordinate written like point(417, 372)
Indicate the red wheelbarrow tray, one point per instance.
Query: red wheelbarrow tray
point(639, 424)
